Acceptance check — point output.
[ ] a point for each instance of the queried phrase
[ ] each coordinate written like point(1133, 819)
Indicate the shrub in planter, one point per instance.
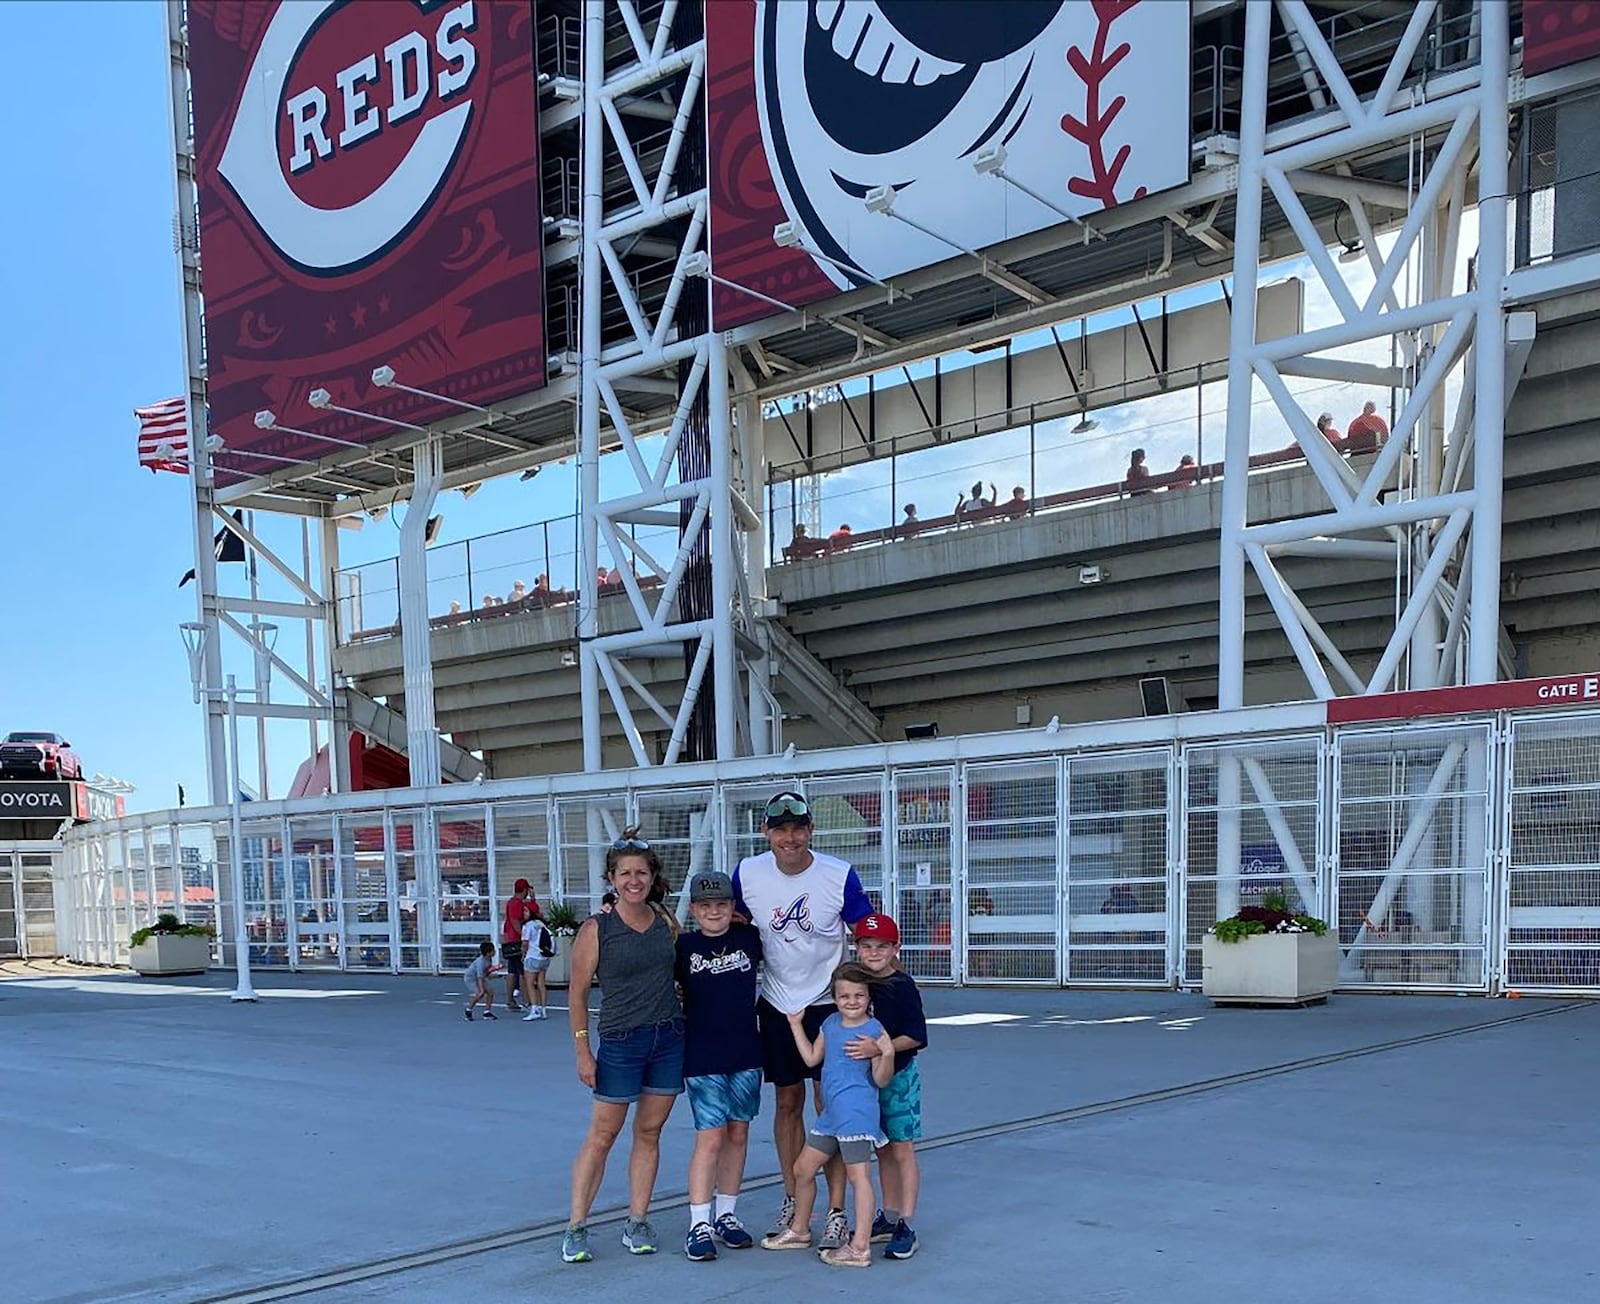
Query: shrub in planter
point(1269, 955)
point(168, 946)
point(1271, 916)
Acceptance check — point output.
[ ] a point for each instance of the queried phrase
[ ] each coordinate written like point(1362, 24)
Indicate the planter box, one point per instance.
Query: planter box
point(559, 971)
point(168, 953)
point(1270, 969)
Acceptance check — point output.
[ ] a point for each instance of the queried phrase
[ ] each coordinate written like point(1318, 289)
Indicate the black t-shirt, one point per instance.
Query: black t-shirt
point(897, 1004)
point(718, 977)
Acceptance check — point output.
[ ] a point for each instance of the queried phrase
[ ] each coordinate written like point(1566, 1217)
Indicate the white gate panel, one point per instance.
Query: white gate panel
point(1012, 846)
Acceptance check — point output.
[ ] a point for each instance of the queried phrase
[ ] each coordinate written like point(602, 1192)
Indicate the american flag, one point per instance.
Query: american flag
point(164, 436)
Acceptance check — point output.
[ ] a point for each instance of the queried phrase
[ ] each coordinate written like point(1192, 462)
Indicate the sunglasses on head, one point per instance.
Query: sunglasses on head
point(630, 844)
point(779, 807)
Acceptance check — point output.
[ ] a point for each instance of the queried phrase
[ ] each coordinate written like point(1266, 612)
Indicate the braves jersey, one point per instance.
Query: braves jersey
point(804, 921)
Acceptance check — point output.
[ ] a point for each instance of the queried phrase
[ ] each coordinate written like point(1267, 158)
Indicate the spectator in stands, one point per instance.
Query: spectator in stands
point(1368, 431)
point(1330, 431)
point(1017, 505)
point(455, 608)
point(600, 578)
point(1186, 474)
point(840, 539)
point(979, 902)
point(1121, 901)
point(519, 591)
point(489, 600)
point(912, 522)
point(1137, 479)
point(802, 545)
point(614, 578)
point(977, 505)
point(541, 588)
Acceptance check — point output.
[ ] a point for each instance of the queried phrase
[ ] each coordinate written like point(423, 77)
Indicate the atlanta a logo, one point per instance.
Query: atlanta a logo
point(797, 912)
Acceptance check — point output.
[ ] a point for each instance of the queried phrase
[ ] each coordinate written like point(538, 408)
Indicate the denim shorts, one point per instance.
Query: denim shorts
point(641, 1061)
point(718, 1098)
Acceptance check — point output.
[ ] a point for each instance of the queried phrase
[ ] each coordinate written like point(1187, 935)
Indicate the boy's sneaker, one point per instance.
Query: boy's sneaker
point(468, 1013)
point(699, 1246)
point(882, 1228)
point(490, 1014)
point(513, 1005)
point(903, 1244)
point(639, 1237)
point(784, 1218)
point(835, 1232)
point(539, 1012)
point(530, 1016)
point(575, 1245)
point(731, 1232)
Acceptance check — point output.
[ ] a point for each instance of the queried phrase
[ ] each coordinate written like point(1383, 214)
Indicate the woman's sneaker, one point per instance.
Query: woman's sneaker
point(699, 1246)
point(731, 1232)
point(784, 1218)
point(639, 1237)
point(882, 1228)
point(847, 1256)
point(903, 1244)
point(575, 1245)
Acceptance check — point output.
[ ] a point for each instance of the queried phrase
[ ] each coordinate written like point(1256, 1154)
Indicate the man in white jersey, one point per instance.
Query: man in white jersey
point(804, 903)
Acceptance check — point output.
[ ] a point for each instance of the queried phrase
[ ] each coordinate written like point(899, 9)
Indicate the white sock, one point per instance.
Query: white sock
point(699, 1213)
point(725, 1203)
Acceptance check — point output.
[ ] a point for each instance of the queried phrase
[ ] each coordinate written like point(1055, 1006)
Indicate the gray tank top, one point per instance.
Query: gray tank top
point(635, 973)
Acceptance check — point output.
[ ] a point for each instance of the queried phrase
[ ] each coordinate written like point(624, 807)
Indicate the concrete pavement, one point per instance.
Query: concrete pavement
point(163, 1144)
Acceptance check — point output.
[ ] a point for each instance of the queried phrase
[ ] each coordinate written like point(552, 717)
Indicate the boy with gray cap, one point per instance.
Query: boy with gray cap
point(716, 972)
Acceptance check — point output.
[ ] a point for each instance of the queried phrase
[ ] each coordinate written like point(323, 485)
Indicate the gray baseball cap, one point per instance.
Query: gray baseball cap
point(712, 885)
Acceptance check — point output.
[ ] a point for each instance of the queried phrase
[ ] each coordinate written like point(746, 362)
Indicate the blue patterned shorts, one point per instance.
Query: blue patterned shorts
point(901, 1105)
point(719, 1098)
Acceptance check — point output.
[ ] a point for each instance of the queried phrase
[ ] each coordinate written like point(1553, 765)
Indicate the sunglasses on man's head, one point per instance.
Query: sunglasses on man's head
point(779, 807)
point(630, 844)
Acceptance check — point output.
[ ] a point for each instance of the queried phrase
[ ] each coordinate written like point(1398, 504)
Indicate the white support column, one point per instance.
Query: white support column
point(589, 397)
point(1484, 639)
point(724, 557)
point(416, 651)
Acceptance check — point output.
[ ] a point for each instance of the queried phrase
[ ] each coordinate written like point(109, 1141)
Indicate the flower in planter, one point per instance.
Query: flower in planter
point(1271, 916)
point(561, 919)
point(168, 925)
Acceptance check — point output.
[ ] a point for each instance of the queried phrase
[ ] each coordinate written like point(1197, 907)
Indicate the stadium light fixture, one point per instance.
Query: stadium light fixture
point(1086, 424)
point(530, 473)
point(991, 162)
point(384, 378)
point(467, 490)
point(268, 420)
point(699, 264)
point(791, 235)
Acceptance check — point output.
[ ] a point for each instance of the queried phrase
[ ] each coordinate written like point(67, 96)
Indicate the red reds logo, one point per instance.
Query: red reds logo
point(350, 124)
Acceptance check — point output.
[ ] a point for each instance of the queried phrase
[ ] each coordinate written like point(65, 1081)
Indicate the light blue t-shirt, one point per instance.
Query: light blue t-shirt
point(850, 1109)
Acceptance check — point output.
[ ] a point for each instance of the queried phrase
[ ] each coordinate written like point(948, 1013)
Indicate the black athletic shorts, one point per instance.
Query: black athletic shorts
point(511, 953)
point(781, 1064)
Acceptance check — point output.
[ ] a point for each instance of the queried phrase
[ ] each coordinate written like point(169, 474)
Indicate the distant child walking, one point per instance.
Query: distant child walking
point(476, 980)
point(897, 1004)
point(849, 1123)
point(717, 970)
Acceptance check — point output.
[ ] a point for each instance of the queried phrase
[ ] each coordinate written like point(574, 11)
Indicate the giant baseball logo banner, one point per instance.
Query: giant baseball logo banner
point(974, 121)
point(369, 196)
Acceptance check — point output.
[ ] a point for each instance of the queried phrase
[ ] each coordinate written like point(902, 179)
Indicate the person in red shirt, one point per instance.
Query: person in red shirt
point(1186, 474)
point(1137, 479)
point(1368, 431)
point(1329, 430)
point(521, 906)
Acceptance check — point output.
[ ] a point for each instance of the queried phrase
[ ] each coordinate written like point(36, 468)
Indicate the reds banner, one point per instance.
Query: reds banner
point(1558, 32)
point(974, 121)
point(369, 196)
point(1510, 694)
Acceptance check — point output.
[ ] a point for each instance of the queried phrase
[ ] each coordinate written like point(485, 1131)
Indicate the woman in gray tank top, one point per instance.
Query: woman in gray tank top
point(638, 1050)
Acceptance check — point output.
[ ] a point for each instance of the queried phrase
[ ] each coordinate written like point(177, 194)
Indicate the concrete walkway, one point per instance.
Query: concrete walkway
point(164, 1144)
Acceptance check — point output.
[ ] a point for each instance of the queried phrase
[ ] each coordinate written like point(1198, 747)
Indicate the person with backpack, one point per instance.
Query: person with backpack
point(538, 949)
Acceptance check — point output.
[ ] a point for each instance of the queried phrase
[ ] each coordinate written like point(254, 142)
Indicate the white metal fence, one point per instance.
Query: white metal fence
point(1458, 856)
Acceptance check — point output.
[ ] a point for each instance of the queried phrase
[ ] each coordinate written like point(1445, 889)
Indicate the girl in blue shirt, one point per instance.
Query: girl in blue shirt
point(849, 1123)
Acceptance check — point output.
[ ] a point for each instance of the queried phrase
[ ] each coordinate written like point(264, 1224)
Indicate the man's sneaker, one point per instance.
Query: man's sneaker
point(575, 1245)
point(530, 1016)
point(468, 1013)
point(903, 1244)
point(882, 1228)
point(731, 1232)
point(490, 1014)
point(639, 1237)
point(784, 1218)
point(835, 1232)
point(698, 1246)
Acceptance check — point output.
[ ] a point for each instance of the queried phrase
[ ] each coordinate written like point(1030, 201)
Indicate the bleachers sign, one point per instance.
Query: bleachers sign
point(884, 137)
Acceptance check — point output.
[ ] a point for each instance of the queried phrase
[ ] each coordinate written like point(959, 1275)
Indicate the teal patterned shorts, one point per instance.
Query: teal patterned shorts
point(901, 1105)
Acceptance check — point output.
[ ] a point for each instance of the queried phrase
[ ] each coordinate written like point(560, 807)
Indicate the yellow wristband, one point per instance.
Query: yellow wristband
point(583, 1033)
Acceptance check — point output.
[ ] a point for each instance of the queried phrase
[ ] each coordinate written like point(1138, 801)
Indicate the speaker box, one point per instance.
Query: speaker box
point(1156, 695)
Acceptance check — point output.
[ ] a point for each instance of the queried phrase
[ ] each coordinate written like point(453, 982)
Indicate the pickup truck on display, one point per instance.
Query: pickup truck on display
point(38, 755)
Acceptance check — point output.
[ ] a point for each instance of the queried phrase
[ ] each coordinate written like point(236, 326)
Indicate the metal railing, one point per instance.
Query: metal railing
point(1452, 856)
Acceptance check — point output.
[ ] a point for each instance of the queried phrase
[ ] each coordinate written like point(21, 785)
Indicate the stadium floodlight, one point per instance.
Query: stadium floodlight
point(791, 235)
point(214, 443)
point(266, 419)
point(384, 378)
point(880, 199)
point(217, 446)
point(699, 264)
point(991, 162)
point(467, 490)
point(530, 473)
point(1086, 424)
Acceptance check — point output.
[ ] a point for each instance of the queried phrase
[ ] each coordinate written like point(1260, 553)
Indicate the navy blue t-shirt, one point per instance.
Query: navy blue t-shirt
point(718, 977)
point(897, 1004)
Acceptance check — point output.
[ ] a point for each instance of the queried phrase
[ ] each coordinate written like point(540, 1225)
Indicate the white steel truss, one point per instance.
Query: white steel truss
point(712, 509)
point(1430, 501)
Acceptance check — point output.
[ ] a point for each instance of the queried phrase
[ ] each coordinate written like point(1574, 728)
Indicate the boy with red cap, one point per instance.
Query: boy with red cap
point(897, 1005)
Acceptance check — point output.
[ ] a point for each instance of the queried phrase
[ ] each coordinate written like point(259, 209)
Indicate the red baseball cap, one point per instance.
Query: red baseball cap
point(879, 928)
point(521, 885)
